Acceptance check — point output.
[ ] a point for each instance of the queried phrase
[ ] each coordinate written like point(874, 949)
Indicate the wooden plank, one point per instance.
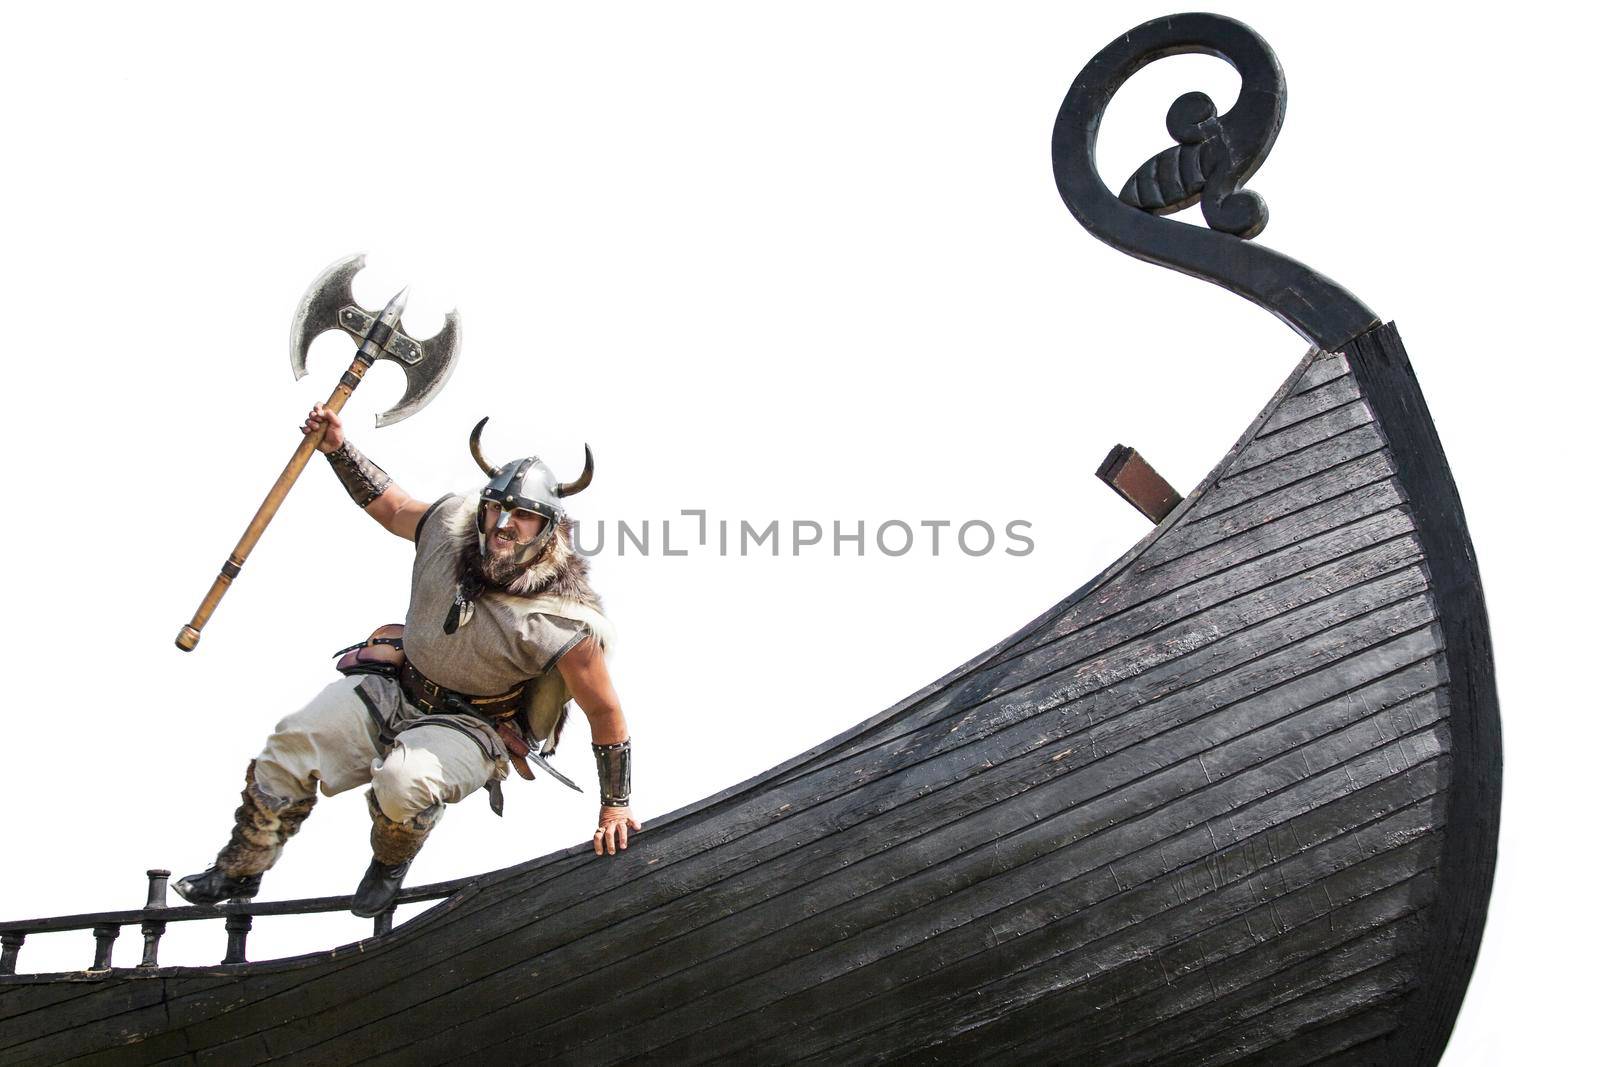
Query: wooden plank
point(122, 1013)
point(1212, 608)
point(1181, 555)
point(1074, 1015)
point(1211, 577)
point(1345, 1017)
point(1235, 1018)
point(1301, 436)
point(1154, 1032)
point(1309, 404)
point(1322, 369)
point(1263, 1031)
point(248, 1048)
point(1285, 470)
point(1258, 946)
point(24, 994)
point(1288, 470)
point(1275, 506)
point(1327, 1043)
point(1101, 694)
point(165, 1046)
point(1346, 1047)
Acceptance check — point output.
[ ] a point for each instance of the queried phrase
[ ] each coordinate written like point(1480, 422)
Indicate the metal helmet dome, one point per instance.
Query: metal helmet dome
point(526, 484)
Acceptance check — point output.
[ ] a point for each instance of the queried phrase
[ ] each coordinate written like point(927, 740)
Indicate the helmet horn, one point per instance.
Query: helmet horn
point(569, 488)
point(477, 453)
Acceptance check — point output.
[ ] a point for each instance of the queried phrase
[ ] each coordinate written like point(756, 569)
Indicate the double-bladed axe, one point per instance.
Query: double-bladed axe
point(329, 305)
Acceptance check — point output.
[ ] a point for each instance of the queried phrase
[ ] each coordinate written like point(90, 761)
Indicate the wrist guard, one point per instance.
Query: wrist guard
point(363, 479)
point(614, 763)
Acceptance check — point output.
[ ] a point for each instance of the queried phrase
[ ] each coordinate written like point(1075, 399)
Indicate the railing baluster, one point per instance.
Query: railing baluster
point(105, 935)
point(157, 895)
point(152, 941)
point(10, 945)
point(382, 924)
point(238, 929)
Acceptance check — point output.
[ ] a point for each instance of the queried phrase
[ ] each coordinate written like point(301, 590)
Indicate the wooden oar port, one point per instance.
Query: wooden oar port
point(1135, 481)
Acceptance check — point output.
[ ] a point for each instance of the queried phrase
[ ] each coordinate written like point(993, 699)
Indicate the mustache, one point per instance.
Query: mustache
point(509, 536)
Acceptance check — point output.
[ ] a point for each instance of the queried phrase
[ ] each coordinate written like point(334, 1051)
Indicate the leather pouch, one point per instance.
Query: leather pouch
point(382, 653)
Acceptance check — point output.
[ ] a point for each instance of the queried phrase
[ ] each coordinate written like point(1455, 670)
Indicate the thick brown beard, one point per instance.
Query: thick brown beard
point(500, 568)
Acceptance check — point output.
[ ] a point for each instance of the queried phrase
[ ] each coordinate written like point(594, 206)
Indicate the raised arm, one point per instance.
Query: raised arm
point(584, 671)
point(368, 485)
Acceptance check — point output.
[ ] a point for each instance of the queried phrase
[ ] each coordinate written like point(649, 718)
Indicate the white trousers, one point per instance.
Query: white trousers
point(334, 743)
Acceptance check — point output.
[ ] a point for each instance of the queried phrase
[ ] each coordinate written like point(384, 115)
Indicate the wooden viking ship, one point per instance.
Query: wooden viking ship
point(1234, 801)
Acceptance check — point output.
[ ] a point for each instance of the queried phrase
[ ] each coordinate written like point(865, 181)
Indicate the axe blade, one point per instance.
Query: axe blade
point(319, 308)
point(426, 375)
point(329, 304)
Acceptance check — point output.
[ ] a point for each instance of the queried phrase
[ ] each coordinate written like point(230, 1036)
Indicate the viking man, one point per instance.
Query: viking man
point(502, 631)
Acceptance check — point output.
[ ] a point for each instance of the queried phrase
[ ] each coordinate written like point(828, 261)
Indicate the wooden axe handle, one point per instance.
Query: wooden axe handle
point(189, 636)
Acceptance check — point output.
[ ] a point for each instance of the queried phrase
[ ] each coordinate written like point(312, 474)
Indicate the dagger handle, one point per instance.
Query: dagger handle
point(189, 636)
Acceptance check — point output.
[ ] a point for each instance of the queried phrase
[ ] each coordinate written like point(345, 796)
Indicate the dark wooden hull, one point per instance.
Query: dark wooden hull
point(1234, 801)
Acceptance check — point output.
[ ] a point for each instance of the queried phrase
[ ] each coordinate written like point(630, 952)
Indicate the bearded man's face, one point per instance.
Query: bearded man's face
point(521, 528)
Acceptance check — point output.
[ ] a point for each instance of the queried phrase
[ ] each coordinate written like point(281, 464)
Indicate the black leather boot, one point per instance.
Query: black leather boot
point(378, 889)
point(261, 824)
point(394, 846)
point(211, 886)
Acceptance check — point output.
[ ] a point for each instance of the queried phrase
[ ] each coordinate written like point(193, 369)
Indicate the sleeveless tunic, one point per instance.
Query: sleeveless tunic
point(509, 640)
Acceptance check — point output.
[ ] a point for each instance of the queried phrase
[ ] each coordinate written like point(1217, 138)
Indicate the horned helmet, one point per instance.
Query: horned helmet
point(525, 484)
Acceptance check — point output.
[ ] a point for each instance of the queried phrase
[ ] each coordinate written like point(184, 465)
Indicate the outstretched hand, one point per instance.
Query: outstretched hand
point(613, 831)
point(320, 416)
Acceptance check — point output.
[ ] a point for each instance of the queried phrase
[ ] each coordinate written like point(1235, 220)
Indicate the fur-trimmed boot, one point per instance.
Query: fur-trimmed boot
point(261, 825)
point(394, 846)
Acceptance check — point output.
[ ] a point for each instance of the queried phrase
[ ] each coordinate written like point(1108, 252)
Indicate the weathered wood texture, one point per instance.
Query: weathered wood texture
point(1233, 802)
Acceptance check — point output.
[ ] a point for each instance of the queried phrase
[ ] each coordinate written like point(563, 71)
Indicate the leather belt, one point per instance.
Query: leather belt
point(432, 697)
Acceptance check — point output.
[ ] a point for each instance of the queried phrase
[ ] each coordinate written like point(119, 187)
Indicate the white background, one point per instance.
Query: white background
point(800, 262)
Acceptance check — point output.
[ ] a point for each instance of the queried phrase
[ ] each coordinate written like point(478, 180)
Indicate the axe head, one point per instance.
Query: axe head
point(330, 305)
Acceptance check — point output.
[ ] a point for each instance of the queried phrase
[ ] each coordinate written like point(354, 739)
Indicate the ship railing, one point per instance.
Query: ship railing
point(152, 919)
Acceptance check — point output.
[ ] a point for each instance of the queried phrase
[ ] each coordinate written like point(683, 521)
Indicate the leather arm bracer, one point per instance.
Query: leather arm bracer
point(363, 479)
point(614, 764)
